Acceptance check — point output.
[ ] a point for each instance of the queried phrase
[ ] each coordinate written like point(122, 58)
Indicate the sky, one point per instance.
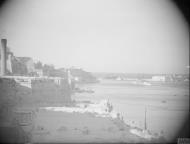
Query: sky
point(129, 36)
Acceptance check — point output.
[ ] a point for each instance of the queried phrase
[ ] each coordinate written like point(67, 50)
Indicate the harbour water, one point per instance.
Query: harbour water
point(166, 104)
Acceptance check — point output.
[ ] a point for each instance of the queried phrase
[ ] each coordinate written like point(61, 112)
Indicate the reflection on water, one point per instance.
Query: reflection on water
point(167, 103)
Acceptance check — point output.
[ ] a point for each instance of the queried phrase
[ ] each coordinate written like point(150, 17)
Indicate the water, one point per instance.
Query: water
point(167, 104)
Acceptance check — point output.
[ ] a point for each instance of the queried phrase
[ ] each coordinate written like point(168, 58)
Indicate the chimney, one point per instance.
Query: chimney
point(3, 56)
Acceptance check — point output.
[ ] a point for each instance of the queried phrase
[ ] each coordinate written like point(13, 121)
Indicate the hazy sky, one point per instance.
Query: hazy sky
point(140, 36)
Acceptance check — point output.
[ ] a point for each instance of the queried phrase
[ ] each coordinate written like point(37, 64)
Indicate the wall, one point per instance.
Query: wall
point(30, 90)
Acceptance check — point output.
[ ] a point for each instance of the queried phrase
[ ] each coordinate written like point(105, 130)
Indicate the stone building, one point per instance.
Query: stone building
point(18, 65)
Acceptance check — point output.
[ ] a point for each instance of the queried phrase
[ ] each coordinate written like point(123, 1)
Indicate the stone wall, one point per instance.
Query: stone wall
point(30, 90)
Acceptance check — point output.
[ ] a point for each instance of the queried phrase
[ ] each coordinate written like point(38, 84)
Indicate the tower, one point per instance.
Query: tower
point(3, 56)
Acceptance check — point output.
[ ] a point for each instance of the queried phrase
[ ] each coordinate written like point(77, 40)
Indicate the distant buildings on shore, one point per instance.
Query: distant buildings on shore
point(148, 77)
point(159, 78)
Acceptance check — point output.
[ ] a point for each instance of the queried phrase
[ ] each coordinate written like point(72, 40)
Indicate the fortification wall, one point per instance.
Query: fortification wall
point(30, 90)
